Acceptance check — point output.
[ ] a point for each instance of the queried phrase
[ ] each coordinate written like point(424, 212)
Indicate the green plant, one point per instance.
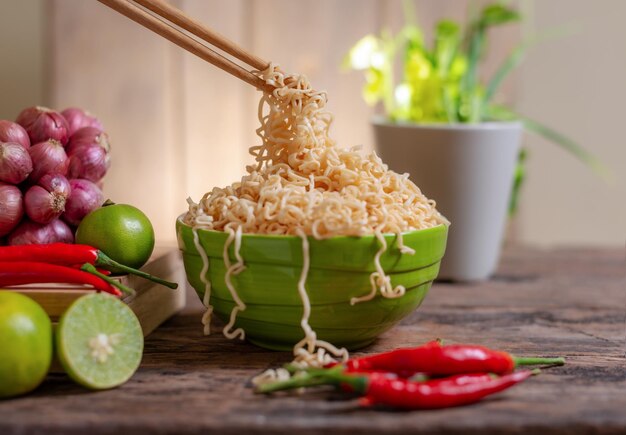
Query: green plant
point(440, 83)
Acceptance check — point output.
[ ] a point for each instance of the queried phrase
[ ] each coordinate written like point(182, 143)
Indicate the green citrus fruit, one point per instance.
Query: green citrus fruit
point(99, 341)
point(25, 344)
point(121, 231)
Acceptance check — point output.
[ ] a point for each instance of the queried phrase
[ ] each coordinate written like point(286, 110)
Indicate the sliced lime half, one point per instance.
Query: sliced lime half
point(99, 341)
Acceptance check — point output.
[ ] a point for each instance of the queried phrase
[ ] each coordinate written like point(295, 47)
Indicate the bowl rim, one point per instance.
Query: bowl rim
point(179, 220)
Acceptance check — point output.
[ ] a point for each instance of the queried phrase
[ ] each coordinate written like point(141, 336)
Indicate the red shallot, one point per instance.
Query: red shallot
point(11, 208)
point(48, 157)
point(78, 118)
point(43, 124)
point(90, 162)
point(84, 198)
point(15, 163)
point(32, 233)
point(88, 136)
point(45, 201)
point(13, 132)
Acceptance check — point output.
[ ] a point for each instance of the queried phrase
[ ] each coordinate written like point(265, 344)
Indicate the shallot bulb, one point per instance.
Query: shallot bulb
point(13, 132)
point(15, 163)
point(48, 157)
point(79, 118)
point(90, 162)
point(11, 208)
point(84, 198)
point(43, 124)
point(32, 233)
point(88, 136)
point(45, 201)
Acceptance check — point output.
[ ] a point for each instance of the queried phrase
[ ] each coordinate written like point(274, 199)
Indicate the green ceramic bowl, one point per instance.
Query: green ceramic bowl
point(340, 269)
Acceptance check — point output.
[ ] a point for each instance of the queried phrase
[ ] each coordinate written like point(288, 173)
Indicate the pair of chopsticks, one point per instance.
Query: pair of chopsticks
point(164, 14)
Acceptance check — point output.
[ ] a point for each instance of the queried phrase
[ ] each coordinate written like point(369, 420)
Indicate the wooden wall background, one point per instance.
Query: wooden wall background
point(180, 126)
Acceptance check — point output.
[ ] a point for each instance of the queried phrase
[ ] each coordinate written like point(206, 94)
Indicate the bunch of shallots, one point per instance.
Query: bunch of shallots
point(51, 170)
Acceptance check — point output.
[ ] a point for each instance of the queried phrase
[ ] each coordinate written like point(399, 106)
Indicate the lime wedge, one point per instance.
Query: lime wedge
point(99, 341)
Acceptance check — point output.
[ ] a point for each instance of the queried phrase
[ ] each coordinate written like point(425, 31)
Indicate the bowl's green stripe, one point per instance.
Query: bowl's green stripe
point(379, 311)
point(336, 253)
point(277, 285)
point(340, 269)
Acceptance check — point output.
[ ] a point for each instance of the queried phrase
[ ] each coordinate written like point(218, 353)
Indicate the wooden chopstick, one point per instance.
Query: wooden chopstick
point(137, 14)
point(194, 27)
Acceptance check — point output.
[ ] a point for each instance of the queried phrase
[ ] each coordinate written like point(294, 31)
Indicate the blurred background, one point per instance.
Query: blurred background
point(179, 126)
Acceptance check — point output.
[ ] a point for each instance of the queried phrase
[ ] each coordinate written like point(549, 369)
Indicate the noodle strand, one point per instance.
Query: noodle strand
point(230, 271)
point(304, 350)
point(206, 300)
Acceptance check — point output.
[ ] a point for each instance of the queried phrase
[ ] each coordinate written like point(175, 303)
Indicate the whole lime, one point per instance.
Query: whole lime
point(26, 344)
point(121, 231)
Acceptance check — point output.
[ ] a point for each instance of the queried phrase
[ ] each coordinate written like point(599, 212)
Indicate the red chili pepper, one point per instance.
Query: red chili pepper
point(368, 363)
point(440, 393)
point(22, 272)
point(53, 253)
point(69, 254)
point(102, 271)
point(397, 374)
point(435, 359)
point(348, 388)
point(462, 379)
point(385, 389)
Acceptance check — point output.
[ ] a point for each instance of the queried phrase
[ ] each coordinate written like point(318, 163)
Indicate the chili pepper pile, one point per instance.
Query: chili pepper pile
point(430, 376)
point(65, 263)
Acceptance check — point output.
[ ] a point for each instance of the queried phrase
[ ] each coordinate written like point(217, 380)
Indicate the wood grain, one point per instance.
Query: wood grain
point(195, 27)
point(129, 78)
point(169, 32)
point(559, 302)
point(216, 132)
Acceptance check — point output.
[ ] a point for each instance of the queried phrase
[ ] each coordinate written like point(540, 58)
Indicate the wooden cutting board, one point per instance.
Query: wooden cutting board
point(153, 303)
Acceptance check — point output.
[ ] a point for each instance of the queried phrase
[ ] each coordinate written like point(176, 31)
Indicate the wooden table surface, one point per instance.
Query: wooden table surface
point(558, 302)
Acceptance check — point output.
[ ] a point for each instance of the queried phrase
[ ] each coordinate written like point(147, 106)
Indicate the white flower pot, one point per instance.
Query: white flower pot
point(468, 170)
